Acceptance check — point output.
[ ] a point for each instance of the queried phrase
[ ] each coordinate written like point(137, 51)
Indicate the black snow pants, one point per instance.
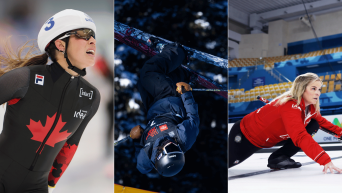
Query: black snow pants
point(159, 75)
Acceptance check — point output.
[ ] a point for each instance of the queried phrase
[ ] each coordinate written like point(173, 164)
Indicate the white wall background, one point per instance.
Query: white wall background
point(324, 25)
point(282, 32)
point(253, 45)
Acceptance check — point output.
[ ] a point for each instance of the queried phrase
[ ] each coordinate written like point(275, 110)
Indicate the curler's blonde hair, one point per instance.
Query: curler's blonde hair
point(297, 90)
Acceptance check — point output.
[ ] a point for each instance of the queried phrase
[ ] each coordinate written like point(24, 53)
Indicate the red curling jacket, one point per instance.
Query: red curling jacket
point(270, 124)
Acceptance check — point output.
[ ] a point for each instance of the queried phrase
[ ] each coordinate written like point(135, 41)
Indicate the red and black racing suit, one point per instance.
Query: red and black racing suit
point(47, 112)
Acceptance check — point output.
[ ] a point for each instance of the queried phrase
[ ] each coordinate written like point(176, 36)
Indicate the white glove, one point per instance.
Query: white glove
point(51, 189)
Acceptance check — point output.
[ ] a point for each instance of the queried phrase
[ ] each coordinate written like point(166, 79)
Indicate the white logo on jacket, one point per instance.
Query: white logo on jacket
point(171, 134)
point(307, 117)
point(80, 114)
point(296, 107)
point(265, 105)
point(147, 144)
point(87, 94)
point(284, 136)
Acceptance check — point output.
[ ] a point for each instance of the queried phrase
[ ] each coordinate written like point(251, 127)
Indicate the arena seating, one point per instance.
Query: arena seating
point(267, 91)
point(269, 61)
point(331, 82)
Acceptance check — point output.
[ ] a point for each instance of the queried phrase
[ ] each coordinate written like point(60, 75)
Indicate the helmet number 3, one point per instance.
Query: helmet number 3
point(51, 22)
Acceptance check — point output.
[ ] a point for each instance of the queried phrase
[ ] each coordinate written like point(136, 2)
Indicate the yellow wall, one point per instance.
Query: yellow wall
point(125, 189)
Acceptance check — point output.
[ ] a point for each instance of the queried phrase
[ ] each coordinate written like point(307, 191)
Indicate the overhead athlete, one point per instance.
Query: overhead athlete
point(172, 113)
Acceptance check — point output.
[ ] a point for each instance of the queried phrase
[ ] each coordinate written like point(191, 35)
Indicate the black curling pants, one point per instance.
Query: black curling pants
point(14, 178)
point(240, 151)
point(289, 149)
point(159, 75)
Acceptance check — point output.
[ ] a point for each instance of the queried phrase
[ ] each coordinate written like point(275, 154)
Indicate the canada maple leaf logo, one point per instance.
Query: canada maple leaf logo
point(39, 131)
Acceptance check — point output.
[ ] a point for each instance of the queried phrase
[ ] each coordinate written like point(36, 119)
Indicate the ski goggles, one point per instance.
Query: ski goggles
point(170, 148)
point(83, 33)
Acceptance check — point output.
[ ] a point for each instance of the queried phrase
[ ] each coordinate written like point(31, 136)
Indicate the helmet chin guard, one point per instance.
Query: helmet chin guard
point(171, 161)
point(170, 164)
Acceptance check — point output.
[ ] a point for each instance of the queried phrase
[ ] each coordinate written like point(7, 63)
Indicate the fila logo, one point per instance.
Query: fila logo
point(80, 114)
point(39, 80)
point(87, 94)
point(296, 107)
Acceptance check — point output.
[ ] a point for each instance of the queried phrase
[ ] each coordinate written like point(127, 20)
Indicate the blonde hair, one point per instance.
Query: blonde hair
point(297, 90)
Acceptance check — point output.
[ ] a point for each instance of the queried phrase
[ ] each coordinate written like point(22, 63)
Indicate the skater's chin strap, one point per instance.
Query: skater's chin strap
point(70, 66)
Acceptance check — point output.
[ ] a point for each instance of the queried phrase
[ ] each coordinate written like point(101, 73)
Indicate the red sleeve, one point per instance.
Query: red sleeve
point(61, 163)
point(328, 125)
point(294, 125)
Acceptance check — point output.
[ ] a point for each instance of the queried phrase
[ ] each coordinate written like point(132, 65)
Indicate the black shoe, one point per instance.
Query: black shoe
point(157, 44)
point(283, 162)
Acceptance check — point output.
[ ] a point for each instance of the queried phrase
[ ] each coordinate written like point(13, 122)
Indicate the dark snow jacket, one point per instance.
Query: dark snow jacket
point(175, 117)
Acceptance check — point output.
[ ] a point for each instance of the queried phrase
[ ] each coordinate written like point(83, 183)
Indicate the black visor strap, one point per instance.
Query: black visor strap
point(70, 66)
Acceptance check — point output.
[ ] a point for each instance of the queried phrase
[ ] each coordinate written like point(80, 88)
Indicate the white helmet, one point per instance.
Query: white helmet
point(66, 20)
